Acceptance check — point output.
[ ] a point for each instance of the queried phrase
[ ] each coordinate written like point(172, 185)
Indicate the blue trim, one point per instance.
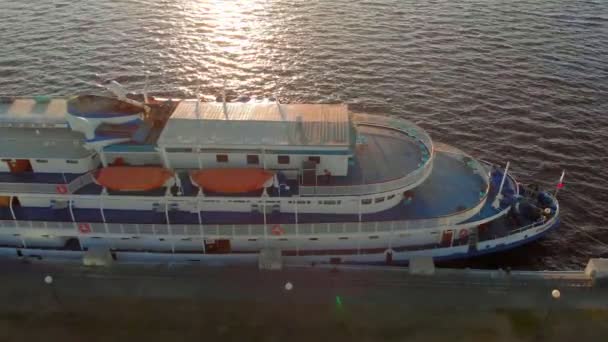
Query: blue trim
point(133, 122)
point(106, 138)
point(457, 256)
point(502, 248)
point(468, 255)
point(130, 148)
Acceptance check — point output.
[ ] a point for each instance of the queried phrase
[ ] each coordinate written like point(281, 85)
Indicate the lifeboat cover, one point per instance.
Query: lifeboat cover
point(132, 178)
point(231, 180)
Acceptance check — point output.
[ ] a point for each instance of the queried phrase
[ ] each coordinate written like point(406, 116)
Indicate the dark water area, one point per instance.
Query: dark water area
point(524, 81)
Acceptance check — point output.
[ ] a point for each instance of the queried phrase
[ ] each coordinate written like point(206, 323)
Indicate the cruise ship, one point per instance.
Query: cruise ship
point(185, 179)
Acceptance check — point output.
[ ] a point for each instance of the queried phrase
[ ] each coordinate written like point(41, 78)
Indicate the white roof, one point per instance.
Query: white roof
point(41, 143)
point(263, 124)
point(31, 111)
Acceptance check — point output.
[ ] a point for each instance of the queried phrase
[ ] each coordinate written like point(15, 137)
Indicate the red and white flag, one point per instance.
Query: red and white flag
point(560, 184)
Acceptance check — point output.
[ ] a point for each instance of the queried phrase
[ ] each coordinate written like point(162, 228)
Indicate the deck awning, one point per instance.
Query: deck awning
point(132, 178)
point(257, 124)
point(231, 180)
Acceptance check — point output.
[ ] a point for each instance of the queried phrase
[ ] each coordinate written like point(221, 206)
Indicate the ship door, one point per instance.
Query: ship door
point(446, 238)
point(19, 165)
point(220, 246)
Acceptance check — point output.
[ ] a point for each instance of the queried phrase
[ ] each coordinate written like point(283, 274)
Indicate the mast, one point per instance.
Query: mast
point(496, 203)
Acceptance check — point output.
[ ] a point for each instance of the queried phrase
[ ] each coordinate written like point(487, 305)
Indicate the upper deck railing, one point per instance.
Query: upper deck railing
point(231, 231)
point(407, 181)
point(47, 188)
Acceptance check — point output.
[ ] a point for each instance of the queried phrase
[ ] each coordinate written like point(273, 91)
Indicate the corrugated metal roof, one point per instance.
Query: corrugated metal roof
point(257, 124)
point(34, 111)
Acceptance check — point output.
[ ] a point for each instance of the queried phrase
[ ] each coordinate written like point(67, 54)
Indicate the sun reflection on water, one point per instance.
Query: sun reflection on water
point(223, 41)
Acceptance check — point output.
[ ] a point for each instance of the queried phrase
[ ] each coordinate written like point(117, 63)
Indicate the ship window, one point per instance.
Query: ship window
point(379, 199)
point(283, 159)
point(329, 202)
point(41, 161)
point(6, 160)
point(366, 201)
point(315, 159)
point(71, 161)
point(390, 197)
point(253, 159)
point(179, 149)
point(221, 158)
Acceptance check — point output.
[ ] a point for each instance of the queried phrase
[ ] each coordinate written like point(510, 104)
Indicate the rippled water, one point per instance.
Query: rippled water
point(521, 80)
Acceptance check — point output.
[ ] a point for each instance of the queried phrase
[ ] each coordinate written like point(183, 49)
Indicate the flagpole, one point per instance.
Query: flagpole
point(560, 184)
point(498, 198)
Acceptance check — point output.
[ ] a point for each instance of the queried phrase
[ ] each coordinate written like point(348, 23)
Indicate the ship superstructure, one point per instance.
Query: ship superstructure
point(187, 176)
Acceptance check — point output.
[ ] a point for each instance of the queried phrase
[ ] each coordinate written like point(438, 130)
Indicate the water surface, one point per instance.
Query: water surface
point(524, 81)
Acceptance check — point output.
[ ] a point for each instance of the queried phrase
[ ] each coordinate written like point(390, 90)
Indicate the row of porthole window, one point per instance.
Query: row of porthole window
point(367, 201)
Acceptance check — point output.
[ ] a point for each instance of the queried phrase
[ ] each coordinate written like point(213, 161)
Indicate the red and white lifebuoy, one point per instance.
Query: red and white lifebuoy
point(277, 230)
point(463, 234)
point(84, 228)
point(61, 189)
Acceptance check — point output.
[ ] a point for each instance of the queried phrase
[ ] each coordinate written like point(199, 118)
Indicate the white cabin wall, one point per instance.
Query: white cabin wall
point(39, 202)
point(54, 165)
point(295, 161)
point(208, 160)
point(336, 164)
point(4, 166)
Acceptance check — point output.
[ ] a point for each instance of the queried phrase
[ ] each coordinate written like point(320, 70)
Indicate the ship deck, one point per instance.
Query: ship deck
point(451, 187)
point(384, 155)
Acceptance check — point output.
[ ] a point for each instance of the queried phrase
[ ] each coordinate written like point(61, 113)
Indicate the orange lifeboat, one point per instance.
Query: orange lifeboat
point(231, 180)
point(133, 178)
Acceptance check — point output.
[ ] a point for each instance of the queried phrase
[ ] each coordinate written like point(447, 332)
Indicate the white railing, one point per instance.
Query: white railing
point(473, 163)
point(28, 188)
point(232, 231)
point(46, 188)
point(409, 180)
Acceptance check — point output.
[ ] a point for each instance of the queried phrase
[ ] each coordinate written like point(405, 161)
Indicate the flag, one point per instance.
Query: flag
point(560, 184)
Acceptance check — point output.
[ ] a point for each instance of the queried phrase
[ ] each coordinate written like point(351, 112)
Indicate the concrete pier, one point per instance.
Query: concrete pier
point(342, 302)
